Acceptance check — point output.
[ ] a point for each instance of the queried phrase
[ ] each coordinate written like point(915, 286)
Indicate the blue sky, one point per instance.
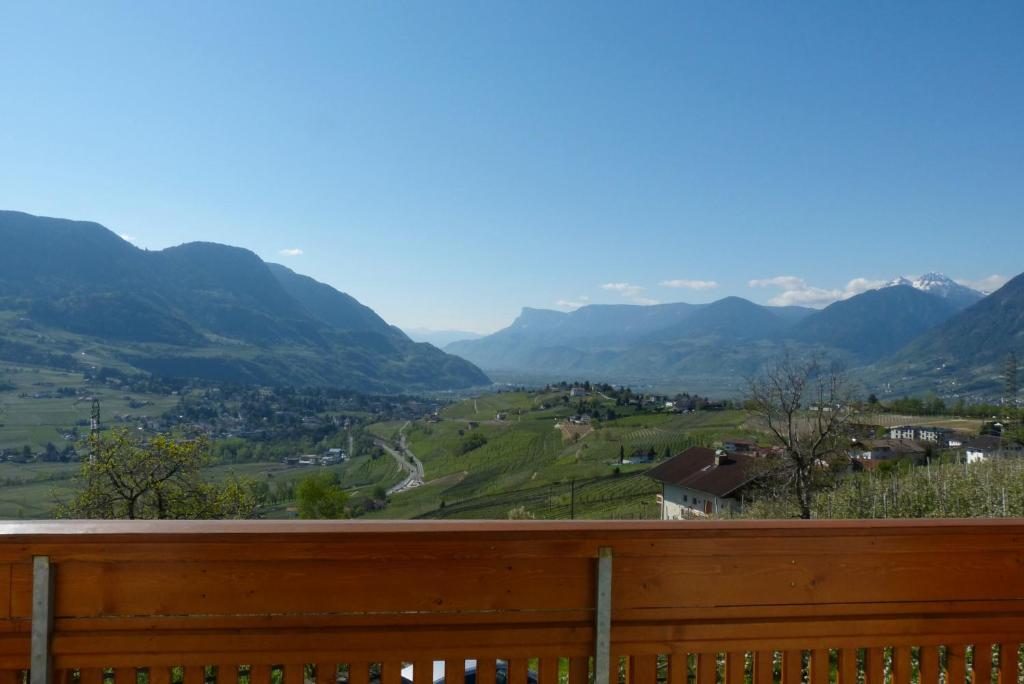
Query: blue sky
point(450, 162)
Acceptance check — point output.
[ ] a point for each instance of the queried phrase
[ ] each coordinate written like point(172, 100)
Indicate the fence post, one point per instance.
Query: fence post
point(42, 620)
point(603, 626)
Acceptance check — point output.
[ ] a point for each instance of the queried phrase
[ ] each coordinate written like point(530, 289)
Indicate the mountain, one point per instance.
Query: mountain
point(197, 310)
point(960, 296)
point(874, 323)
point(705, 347)
point(966, 353)
point(440, 338)
point(735, 318)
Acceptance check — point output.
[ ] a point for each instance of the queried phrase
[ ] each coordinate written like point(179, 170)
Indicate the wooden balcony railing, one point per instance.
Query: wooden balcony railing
point(256, 602)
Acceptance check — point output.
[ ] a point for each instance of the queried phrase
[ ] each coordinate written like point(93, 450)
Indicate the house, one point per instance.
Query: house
point(500, 416)
point(988, 447)
point(578, 392)
point(932, 435)
point(744, 446)
point(332, 457)
point(582, 419)
point(701, 481)
point(885, 449)
point(308, 460)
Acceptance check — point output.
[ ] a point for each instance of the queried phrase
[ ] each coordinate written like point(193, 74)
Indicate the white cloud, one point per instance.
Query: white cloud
point(291, 251)
point(797, 292)
point(624, 289)
point(128, 238)
point(573, 304)
point(986, 284)
point(631, 292)
point(686, 284)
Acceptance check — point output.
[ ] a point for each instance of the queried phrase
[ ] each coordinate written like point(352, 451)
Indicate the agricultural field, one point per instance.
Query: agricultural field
point(525, 463)
point(970, 425)
point(488, 406)
point(32, 490)
point(33, 413)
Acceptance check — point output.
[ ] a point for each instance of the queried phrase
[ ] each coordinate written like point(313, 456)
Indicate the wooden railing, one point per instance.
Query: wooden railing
point(256, 602)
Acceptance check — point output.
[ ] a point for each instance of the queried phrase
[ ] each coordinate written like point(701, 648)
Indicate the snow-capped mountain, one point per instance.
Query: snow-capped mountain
point(943, 286)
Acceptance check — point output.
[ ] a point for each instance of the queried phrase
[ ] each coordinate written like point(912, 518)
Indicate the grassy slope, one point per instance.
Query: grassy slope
point(25, 420)
point(525, 461)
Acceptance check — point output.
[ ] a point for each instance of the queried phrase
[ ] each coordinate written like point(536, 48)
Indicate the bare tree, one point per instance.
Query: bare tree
point(805, 406)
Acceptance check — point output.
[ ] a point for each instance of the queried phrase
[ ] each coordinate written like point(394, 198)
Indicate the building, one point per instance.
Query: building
point(701, 481)
point(885, 449)
point(578, 392)
point(988, 447)
point(743, 446)
point(921, 433)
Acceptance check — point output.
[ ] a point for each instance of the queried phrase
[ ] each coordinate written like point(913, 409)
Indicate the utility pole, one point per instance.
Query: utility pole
point(94, 428)
point(95, 422)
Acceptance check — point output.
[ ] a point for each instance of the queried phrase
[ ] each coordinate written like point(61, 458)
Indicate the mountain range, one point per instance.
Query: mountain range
point(71, 289)
point(910, 335)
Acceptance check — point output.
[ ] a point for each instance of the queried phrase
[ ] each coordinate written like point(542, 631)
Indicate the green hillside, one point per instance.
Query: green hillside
point(479, 467)
point(198, 310)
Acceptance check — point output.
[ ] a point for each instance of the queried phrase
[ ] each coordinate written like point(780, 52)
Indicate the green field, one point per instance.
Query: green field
point(25, 419)
point(526, 462)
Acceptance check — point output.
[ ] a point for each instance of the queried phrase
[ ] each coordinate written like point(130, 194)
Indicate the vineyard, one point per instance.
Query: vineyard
point(525, 466)
point(624, 496)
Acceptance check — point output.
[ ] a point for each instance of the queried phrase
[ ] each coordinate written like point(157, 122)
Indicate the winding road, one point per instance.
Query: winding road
point(406, 460)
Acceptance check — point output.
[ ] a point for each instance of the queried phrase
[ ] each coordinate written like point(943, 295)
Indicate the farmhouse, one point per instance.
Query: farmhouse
point(701, 481)
point(744, 446)
point(988, 447)
point(885, 449)
point(933, 435)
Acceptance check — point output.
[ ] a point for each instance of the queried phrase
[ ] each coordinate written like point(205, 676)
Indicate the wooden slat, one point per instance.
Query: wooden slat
point(517, 668)
point(227, 674)
point(847, 671)
point(258, 674)
point(678, 668)
point(455, 671)
point(764, 667)
point(928, 665)
point(159, 675)
point(874, 665)
point(92, 675)
point(486, 671)
point(423, 672)
point(326, 673)
point(579, 671)
point(735, 667)
point(294, 673)
point(956, 665)
point(982, 665)
point(819, 666)
point(547, 671)
point(127, 675)
point(359, 673)
point(8, 676)
point(792, 667)
point(643, 669)
point(901, 666)
point(1009, 666)
point(707, 668)
point(391, 672)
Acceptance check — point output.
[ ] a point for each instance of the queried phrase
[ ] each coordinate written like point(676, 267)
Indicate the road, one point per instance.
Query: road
point(406, 460)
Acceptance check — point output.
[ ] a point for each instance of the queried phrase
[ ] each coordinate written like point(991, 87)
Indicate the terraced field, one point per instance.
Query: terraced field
point(526, 464)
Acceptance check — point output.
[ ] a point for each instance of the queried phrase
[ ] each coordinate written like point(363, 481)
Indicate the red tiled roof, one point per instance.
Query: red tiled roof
point(695, 469)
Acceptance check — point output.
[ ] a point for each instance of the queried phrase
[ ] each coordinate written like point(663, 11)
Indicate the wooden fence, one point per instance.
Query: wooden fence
point(256, 602)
